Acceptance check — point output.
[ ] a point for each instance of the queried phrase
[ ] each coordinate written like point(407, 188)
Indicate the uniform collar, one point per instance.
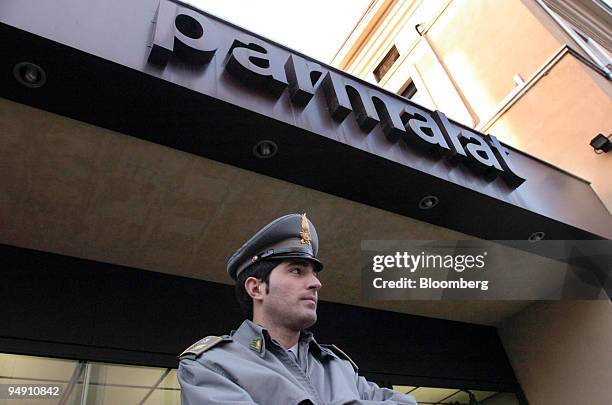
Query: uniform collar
point(252, 336)
point(316, 348)
point(257, 338)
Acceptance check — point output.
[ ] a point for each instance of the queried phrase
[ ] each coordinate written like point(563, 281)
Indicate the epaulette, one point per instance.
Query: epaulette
point(342, 355)
point(205, 344)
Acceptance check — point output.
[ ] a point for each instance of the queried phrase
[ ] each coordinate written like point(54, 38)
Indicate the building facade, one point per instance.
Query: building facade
point(537, 75)
point(513, 69)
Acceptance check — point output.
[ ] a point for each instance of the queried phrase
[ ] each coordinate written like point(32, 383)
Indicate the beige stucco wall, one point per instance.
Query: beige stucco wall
point(561, 352)
point(557, 118)
point(480, 44)
point(485, 43)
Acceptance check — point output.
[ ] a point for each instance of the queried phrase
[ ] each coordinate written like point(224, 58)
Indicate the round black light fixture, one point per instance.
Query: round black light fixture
point(29, 74)
point(428, 202)
point(536, 236)
point(265, 149)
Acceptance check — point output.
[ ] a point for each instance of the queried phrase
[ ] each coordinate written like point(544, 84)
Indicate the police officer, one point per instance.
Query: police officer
point(271, 359)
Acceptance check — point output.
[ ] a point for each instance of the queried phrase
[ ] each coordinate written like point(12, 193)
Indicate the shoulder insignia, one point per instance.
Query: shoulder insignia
point(336, 350)
point(205, 344)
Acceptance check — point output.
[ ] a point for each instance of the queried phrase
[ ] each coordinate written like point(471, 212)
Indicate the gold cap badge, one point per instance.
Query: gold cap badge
point(305, 233)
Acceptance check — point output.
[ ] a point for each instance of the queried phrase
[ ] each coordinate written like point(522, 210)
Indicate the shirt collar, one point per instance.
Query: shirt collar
point(294, 349)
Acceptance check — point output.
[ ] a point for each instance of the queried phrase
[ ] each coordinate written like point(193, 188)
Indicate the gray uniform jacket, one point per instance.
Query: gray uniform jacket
point(249, 367)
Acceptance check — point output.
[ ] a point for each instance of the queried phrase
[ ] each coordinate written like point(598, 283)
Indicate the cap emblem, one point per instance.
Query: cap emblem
point(305, 232)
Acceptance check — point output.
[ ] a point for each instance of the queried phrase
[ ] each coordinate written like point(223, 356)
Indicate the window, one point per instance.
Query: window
point(384, 66)
point(453, 396)
point(409, 90)
point(601, 56)
point(90, 383)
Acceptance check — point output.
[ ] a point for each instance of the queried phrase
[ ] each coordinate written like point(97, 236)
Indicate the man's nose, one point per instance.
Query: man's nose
point(314, 283)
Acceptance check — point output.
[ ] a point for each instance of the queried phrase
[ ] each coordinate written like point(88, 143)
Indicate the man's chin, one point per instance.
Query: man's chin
point(306, 321)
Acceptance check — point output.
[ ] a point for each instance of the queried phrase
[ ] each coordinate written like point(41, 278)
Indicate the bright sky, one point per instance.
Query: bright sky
point(316, 28)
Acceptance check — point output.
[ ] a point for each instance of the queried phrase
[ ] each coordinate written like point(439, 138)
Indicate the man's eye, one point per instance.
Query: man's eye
point(295, 270)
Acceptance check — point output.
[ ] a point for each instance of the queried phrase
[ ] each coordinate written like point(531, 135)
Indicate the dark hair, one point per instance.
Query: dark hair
point(261, 271)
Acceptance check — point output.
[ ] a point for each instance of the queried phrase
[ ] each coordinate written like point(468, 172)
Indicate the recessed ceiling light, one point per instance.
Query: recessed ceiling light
point(29, 74)
point(265, 149)
point(428, 202)
point(536, 236)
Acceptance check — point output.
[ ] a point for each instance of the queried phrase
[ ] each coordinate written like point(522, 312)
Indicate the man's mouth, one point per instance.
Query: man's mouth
point(310, 299)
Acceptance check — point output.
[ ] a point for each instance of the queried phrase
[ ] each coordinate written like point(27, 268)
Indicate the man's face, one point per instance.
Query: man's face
point(293, 294)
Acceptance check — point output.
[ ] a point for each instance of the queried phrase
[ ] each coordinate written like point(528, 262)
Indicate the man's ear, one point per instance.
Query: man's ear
point(254, 287)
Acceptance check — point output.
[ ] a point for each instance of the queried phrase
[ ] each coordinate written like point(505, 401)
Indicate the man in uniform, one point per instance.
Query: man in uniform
point(271, 359)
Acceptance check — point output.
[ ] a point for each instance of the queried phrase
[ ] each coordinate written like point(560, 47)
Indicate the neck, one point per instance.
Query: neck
point(287, 337)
